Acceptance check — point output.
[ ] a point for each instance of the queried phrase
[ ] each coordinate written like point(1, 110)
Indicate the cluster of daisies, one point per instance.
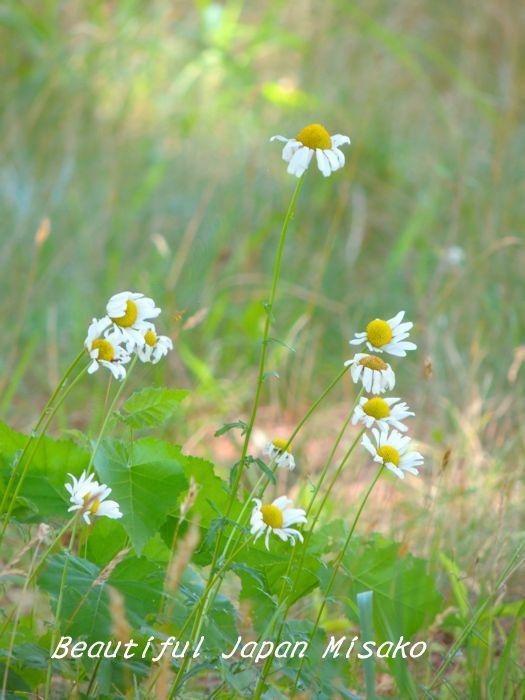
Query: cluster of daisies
point(383, 416)
point(110, 342)
point(126, 329)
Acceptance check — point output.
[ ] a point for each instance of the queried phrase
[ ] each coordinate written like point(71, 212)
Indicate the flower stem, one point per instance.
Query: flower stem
point(50, 412)
point(304, 548)
point(108, 415)
point(58, 611)
point(335, 569)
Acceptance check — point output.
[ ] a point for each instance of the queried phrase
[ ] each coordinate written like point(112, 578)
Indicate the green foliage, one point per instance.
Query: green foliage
point(43, 493)
point(150, 407)
point(147, 480)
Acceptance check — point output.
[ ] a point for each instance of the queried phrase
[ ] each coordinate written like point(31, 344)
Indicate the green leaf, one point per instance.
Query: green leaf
point(278, 341)
point(150, 407)
point(85, 612)
point(43, 492)
point(147, 480)
point(365, 613)
point(229, 426)
point(405, 595)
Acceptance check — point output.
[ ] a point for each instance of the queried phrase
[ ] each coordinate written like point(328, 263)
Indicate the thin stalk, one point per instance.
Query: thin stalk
point(262, 361)
point(109, 413)
point(301, 423)
point(16, 621)
point(36, 569)
point(39, 422)
point(27, 464)
point(335, 570)
point(269, 661)
point(59, 610)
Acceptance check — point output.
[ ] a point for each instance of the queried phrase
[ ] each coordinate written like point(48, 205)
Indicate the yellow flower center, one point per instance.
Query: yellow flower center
point(389, 454)
point(272, 516)
point(377, 408)
point(150, 338)
point(379, 333)
point(106, 351)
point(130, 315)
point(373, 362)
point(314, 136)
point(95, 506)
point(280, 444)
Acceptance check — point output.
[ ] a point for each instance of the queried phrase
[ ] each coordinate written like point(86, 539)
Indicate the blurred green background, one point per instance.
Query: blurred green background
point(141, 132)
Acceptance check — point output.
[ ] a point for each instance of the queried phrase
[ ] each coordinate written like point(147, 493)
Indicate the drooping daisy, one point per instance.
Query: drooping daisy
point(380, 413)
point(376, 375)
point(130, 312)
point(276, 517)
point(394, 451)
point(105, 349)
point(298, 152)
point(155, 347)
point(281, 453)
point(386, 336)
point(89, 497)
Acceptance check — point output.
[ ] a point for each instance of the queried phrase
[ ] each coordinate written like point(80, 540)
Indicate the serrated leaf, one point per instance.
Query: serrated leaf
point(147, 480)
point(150, 407)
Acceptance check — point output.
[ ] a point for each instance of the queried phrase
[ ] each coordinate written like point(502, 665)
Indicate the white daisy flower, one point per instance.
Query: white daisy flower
point(130, 312)
point(155, 347)
point(104, 348)
point(394, 451)
point(282, 457)
point(89, 497)
point(380, 413)
point(276, 517)
point(298, 152)
point(386, 336)
point(376, 375)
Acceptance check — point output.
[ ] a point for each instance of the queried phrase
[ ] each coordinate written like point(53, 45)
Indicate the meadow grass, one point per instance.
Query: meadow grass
point(140, 130)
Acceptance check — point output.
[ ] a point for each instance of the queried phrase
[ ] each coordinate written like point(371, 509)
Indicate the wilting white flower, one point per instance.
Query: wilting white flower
point(386, 336)
point(394, 451)
point(276, 517)
point(88, 496)
point(282, 457)
point(130, 312)
point(298, 152)
point(155, 347)
point(104, 347)
point(376, 375)
point(380, 413)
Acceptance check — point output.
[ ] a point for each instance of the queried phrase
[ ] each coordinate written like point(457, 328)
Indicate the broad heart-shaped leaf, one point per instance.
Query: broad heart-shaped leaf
point(405, 598)
point(146, 478)
point(150, 407)
point(85, 607)
point(43, 486)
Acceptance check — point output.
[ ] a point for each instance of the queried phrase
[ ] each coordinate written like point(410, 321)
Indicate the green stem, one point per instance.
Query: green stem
point(58, 612)
point(51, 414)
point(109, 413)
point(335, 570)
point(39, 422)
point(198, 608)
point(36, 569)
point(262, 361)
point(16, 621)
point(269, 661)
